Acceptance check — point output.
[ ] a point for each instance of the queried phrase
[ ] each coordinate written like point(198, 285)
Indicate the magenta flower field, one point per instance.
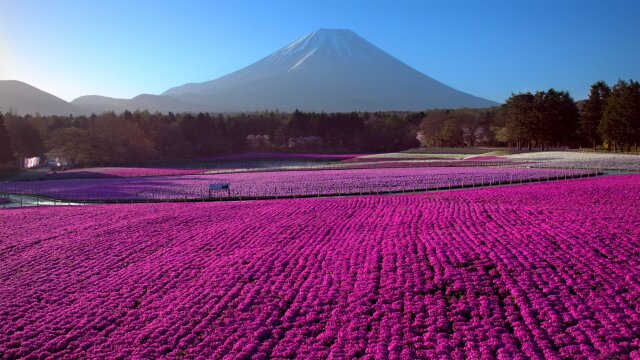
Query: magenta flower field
point(547, 270)
point(486, 158)
point(377, 163)
point(283, 156)
point(108, 172)
point(280, 183)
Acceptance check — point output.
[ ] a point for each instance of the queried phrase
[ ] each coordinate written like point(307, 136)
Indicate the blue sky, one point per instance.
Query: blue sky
point(487, 48)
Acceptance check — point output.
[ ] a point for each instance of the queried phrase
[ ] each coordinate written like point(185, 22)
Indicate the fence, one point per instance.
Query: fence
point(13, 200)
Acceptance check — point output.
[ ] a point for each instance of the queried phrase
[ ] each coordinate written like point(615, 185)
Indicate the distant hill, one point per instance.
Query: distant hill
point(22, 99)
point(164, 104)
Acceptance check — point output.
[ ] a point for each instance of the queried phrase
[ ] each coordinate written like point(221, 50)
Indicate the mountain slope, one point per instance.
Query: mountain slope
point(164, 104)
point(22, 99)
point(327, 70)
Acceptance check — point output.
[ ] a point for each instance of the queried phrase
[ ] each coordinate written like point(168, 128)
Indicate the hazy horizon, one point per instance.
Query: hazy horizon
point(489, 49)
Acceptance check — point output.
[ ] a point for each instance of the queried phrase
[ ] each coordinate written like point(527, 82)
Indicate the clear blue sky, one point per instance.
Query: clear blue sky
point(487, 48)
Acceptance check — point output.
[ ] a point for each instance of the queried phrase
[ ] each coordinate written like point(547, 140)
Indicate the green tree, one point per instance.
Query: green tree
point(592, 113)
point(387, 133)
point(520, 118)
point(544, 119)
point(556, 120)
point(452, 133)
point(620, 125)
point(7, 157)
point(432, 128)
point(75, 144)
point(26, 139)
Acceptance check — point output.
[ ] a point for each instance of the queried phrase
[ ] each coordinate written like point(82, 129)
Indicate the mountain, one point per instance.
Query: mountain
point(22, 99)
point(327, 70)
point(164, 104)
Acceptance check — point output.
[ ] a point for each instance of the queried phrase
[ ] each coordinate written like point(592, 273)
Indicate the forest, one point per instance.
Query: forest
point(609, 120)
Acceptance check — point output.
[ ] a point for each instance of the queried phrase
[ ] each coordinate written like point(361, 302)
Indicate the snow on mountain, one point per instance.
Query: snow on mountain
point(337, 44)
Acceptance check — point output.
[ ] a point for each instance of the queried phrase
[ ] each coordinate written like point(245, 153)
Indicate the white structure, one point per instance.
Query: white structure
point(31, 162)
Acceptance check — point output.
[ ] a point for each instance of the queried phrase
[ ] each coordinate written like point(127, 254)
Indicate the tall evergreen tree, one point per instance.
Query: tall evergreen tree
point(620, 125)
point(521, 118)
point(592, 114)
point(560, 118)
point(6, 151)
point(26, 140)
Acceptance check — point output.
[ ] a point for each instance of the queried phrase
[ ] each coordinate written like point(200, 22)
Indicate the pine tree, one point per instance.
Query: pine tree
point(6, 152)
point(521, 118)
point(592, 114)
point(620, 123)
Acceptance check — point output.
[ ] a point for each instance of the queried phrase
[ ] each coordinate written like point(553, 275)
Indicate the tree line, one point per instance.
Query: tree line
point(609, 119)
point(141, 137)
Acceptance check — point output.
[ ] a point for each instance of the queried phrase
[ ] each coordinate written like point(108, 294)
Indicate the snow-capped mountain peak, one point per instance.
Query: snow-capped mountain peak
point(336, 44)
point(326, 70)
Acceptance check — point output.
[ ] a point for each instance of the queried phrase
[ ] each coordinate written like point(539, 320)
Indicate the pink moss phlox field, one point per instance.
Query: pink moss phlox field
point(547, 270)
point(282, 156)
point(404, 163)
point(104, 172)
point(278, 183)
point(486, 158)
point(390, 159)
